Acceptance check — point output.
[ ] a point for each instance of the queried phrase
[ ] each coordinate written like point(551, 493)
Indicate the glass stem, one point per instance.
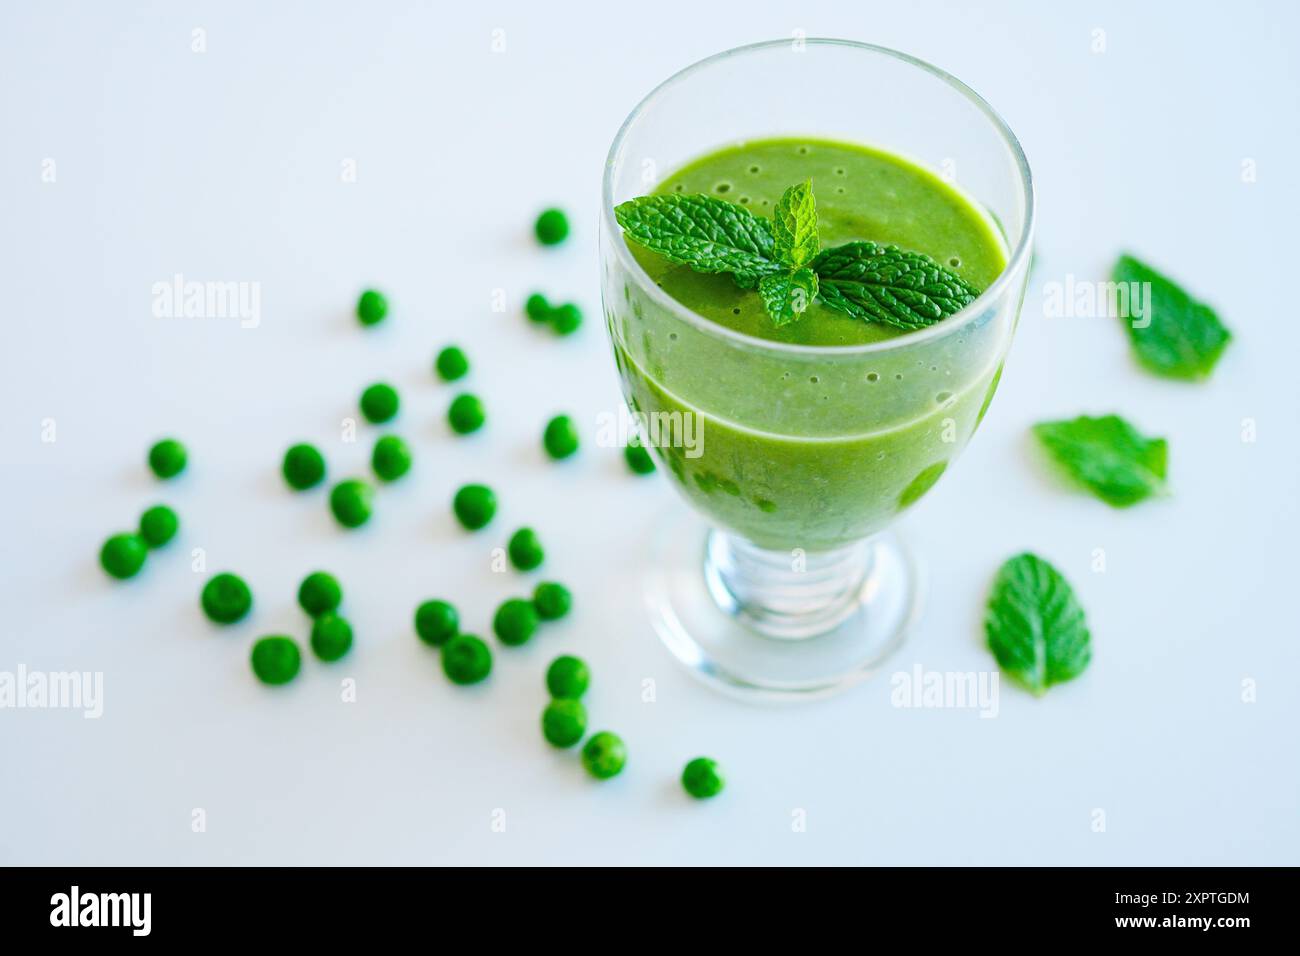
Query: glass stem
point(791, 595)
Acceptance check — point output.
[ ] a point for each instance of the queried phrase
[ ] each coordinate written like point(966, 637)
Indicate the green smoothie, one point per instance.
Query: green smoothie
point(817, 447)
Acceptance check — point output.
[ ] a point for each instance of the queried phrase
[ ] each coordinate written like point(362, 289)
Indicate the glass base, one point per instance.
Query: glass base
point(776, 625)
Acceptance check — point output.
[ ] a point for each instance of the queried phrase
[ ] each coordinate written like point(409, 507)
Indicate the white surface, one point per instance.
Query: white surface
point(226, 166)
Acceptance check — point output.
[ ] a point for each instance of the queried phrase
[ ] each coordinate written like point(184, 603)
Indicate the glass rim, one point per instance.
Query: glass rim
point(1019, 253)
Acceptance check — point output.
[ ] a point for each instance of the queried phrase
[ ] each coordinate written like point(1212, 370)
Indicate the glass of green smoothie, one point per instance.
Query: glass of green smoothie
point(798, 443)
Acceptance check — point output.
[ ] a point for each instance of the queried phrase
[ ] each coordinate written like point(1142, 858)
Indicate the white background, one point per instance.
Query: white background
point(225, 165)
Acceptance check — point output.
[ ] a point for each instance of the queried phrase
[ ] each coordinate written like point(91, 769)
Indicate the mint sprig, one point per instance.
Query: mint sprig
point(1035, 625)
point(1108, 455)
point(1177, 337)
point(780, 259)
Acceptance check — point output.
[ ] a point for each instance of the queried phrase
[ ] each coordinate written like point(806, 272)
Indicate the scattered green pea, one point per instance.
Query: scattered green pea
point(123, 555)
point(604, 755)
point(379, 403)
point(372, 307)
point(158, 525)
point(638, 457)
point(552, 600)
point(702, 778)
point(225, 598)
point(568, 677)
point(564, 722)
point(560, 437)
point(466, 414)
point(276, 659)
point(352, 502)
point(515, 622)
point(436, 622)
point(525, 549)
point(552, 227)
point(391, 458)
point(320, 593)
point(466, 659)
point(537, 307)
point(167, 458)
point(474, 506)
point(304, 467)
point(331, 636)
point(566, 319)
point(451, 364)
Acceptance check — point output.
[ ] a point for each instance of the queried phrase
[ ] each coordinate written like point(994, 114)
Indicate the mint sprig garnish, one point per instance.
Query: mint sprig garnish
point(1177, 337)
point(1109, 456)
point(1035, 625)
point(780, 259)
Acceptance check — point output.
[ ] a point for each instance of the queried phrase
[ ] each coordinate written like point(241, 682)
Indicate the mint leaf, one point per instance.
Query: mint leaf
point(786, 294)
point(1035, 626)
point(908, 290)
point(1178, 337)
point(794, 232)
point(703, 232)
point(794, 226)
point(1108, 455)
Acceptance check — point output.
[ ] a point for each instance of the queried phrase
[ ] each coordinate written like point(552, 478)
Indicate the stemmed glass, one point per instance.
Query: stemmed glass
point(798, 588)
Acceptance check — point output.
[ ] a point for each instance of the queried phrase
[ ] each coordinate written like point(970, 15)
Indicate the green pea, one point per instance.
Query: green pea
point(552, 600)
point(566, 319)
point(451, 364)
point(379, 403)
point(525, 549)
point(638, 458)
point(702, 778)
point(436, 622)
point(158, 525)
point(604, 755)
point(319, 593)
point(372, 307)
point(225, 598)
point(352, 502)
point(568, 677)
point(466, 659)
point(304, 467)
point(123, 555)
point(466, 414)
point(515, 622)
point(537, 307)
point(331, 636)
point(167, 458)
point(474, 506)
point(552, 227)
point(276, 659)
point(564, 722)
point(561, 437)
point(391, 458)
